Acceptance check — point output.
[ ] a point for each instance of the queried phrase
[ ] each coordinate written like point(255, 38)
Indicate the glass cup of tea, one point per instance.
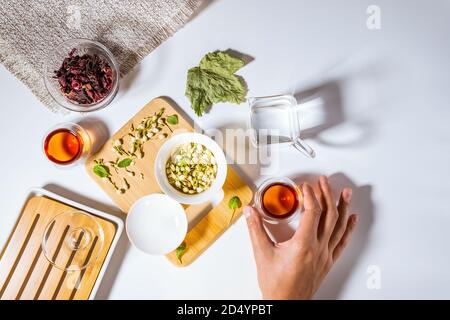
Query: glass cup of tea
point(279, 200)
point(67, 144)
point(275, 120)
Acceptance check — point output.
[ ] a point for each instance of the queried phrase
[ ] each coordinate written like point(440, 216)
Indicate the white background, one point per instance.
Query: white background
point(386, 109)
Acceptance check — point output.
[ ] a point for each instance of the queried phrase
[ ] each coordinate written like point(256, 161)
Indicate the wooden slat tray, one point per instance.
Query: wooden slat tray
point(26, 274)
point(205, 232)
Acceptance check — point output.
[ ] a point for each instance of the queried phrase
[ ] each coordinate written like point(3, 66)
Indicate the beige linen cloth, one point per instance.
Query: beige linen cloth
point(131, 29)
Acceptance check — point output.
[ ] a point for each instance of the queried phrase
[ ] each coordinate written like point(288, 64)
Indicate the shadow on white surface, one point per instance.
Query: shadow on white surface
point(97, 130)
point(322, 109)
point(362, 204)
point(122, 246)
point(234, 152)
point(126, 82)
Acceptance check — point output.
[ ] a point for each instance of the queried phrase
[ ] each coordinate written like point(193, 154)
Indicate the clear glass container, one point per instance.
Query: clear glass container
point(259, 199)
point(274, 120)
point(54, 61)
point(72, 241)
point(83, 139)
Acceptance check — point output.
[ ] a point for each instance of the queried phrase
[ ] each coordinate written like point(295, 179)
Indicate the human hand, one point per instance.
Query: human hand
point(295, 269)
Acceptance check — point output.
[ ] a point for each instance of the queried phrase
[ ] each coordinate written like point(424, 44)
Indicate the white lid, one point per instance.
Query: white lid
point(156, 224)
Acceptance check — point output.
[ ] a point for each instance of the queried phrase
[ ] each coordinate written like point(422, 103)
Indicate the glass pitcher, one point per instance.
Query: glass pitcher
point(274, 120)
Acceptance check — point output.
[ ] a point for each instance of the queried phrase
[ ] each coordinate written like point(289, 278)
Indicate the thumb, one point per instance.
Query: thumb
point(260, 240)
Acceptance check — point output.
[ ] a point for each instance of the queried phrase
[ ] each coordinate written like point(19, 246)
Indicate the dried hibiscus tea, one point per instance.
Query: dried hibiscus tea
point(85, 79)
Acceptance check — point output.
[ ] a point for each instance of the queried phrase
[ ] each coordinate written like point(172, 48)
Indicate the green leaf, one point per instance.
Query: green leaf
point(172, 120)
point(197, 92)
point(101, 171)
point(125, 163)
point(221, 60)
point(206, 87)
point(213, 82)
point(180, 251)
point(234, 203)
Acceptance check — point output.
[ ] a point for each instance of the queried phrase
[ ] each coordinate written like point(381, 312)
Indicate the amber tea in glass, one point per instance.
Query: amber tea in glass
point(66, 144)
point(279, 199)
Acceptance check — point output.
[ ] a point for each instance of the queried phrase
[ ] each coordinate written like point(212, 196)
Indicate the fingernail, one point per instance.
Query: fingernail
point(355, 219)
point(247, 212)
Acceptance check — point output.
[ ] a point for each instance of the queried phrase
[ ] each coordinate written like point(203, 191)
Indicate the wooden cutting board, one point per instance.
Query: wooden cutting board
point(205, 232)
point(26, 274)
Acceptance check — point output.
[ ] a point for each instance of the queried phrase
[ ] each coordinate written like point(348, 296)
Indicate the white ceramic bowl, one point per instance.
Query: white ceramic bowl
point(164, 154)
point(156, 224)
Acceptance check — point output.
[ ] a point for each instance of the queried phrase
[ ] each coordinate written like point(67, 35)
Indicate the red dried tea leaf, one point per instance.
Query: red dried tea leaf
point(85, 79)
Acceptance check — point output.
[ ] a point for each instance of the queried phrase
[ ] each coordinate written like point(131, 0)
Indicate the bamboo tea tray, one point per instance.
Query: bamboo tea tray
point(26, 274)
point(214, 223)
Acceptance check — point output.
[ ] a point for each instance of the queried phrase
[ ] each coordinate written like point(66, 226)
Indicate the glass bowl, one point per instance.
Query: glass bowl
point(72, 241)
point(54, 61)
